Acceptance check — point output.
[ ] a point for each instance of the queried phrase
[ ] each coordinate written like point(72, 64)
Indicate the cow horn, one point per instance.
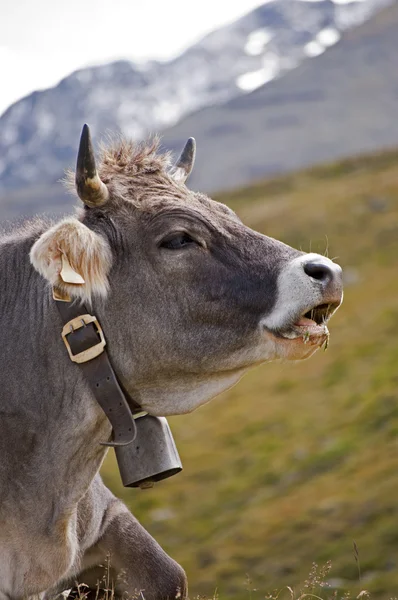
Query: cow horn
point(184, 164)
point(91, 190)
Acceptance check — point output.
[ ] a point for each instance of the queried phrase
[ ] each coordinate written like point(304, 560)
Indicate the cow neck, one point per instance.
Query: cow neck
point(100, 375)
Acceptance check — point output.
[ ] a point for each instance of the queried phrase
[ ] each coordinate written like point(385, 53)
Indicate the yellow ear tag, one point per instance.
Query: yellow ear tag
point(68, 275)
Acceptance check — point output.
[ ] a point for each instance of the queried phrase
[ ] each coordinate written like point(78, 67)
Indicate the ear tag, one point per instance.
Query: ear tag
point(68, 275)
point(60, 295)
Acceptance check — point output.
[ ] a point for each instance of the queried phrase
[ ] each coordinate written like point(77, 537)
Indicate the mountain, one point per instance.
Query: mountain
point(39, 134)
point(338, 104)
point(297, 461)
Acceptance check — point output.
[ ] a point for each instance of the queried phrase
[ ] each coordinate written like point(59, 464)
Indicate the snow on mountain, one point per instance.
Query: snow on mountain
point(39, 134)
point(339, 104)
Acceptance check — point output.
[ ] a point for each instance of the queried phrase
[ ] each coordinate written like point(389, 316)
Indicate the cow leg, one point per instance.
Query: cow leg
point(136, 563)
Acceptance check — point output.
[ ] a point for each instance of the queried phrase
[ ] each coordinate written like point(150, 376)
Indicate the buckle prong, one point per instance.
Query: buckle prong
point(78, 323)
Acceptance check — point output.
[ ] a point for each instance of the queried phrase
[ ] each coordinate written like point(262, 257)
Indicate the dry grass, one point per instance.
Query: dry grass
point(297, 461)
point(317, 586)
point(105, 588)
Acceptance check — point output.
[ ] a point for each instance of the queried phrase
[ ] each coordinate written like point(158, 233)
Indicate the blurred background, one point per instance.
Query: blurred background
point(293, 104)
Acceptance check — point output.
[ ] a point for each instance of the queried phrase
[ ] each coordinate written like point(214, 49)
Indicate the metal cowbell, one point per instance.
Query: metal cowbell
point(151, 457)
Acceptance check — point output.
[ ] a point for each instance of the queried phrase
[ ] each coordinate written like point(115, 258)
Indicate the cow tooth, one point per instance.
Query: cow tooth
point(291, 335)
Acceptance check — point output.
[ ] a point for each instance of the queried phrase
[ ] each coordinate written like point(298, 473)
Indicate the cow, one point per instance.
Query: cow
point(188, 297)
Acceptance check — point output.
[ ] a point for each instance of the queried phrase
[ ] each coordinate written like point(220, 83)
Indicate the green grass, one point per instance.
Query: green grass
point(299, 460)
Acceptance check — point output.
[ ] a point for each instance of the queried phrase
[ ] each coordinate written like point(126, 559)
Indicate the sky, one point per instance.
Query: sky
point(42, 41)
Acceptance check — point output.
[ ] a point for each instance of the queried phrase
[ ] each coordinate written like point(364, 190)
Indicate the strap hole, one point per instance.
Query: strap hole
point(110, 410)
point(97, 385)
point(120, 404)
point(108, 378)
point(129, 428)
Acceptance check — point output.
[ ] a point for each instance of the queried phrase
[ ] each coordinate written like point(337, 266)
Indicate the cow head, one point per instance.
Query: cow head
point(188, 297)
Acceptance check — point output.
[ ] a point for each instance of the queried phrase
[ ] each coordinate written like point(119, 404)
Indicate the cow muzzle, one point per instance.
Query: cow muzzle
point(310, 290)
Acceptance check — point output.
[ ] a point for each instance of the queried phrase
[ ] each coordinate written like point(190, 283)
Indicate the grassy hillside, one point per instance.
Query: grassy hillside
point(299, 460)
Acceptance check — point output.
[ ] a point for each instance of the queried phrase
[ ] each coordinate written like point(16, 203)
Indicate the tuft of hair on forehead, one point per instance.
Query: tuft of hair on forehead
point(120, 159)
point(124, 156)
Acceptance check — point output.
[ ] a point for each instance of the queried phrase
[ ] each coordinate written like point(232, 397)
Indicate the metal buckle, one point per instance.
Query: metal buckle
point(78, 323)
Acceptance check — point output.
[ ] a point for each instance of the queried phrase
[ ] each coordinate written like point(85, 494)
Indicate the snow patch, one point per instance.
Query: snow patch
point(324, 39)
point(257, 40)
point(347, 1)
point(254, 79)
point(167, 112)
point(335, 1)
point(328, 37)
point(313, 48)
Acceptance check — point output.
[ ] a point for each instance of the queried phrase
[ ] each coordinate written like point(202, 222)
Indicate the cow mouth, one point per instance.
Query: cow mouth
point(311, 326)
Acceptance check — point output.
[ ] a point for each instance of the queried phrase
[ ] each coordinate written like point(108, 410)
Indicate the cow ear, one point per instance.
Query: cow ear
point(74, 259)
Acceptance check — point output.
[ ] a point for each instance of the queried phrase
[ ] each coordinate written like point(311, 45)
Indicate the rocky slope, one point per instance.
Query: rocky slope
point(337, 104)
point(38, 135)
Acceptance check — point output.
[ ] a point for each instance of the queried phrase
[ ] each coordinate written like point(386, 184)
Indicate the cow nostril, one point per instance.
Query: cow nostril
point(318, 271)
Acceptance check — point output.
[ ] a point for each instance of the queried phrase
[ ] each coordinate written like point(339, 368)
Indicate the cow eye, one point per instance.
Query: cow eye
point(177, 241)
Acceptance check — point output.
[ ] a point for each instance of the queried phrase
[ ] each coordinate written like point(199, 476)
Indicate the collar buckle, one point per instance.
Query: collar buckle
point(89, 353)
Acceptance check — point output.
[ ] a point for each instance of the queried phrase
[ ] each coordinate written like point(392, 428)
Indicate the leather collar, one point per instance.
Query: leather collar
point(84, 339)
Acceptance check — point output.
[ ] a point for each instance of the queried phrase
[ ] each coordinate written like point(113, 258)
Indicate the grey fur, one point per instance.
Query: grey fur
point(181, 326)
